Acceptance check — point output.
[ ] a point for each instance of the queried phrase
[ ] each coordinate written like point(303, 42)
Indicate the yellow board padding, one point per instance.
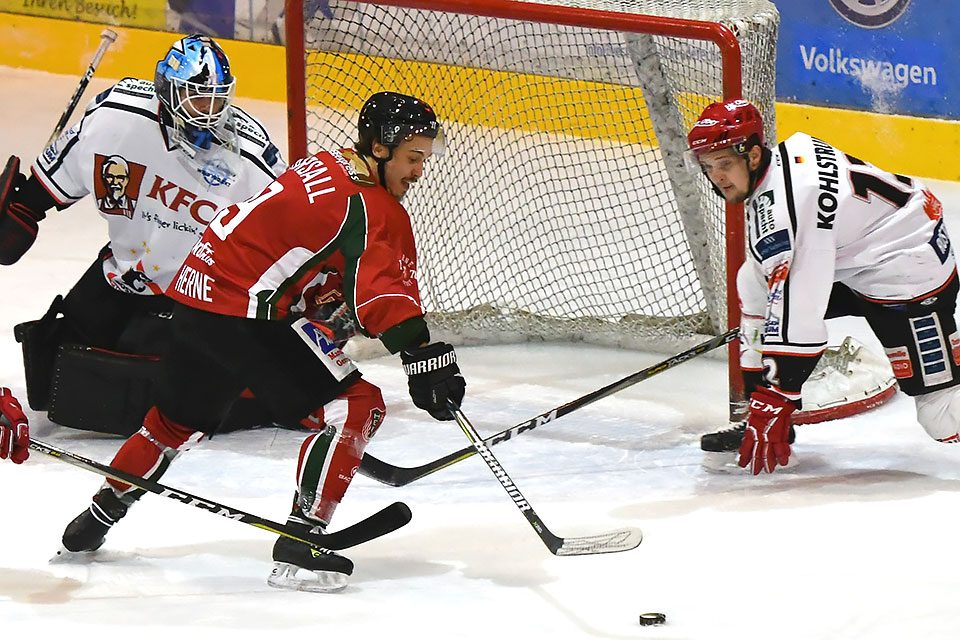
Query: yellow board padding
point(925, 147)
point(486, 98)
point(148, 14)
point(66, 47)
point(917, 146)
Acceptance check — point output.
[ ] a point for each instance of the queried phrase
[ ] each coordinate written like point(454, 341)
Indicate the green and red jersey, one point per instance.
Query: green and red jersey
point(325, 216)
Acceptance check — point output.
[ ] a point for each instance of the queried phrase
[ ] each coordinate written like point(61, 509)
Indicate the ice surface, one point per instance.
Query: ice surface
point(856, 542)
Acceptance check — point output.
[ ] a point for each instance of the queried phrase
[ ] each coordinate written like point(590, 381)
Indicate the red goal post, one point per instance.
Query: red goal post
point(713, 32)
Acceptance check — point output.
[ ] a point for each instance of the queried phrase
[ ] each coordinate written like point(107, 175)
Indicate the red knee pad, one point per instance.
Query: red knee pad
point(360, 409)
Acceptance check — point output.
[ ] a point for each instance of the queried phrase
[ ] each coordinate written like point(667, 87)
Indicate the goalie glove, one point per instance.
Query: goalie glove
point(14, 430)
point(766, 442)
point(433, 377)
point(18, 221)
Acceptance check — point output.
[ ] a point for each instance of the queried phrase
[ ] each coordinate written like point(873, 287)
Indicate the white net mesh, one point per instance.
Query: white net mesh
point(561, 208)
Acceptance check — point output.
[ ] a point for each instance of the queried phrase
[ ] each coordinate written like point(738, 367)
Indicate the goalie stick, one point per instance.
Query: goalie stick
point(394, 476)
point(612, 542)
point(380, 523)
point(107, 37)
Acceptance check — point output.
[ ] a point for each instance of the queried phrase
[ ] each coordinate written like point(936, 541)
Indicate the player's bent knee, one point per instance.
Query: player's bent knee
point(366, 405)
point(938, 412)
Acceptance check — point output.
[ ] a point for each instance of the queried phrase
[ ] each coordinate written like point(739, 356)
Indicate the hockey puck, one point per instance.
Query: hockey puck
point(650, 619)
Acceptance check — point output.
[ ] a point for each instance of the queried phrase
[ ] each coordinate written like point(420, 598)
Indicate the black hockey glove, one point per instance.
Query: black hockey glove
point(18, 220)
point(433, 377)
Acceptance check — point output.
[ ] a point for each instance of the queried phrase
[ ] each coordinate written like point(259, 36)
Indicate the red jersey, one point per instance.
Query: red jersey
point(325, 214)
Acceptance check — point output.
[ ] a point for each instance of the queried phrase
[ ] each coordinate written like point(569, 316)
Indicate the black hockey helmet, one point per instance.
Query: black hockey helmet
point(390, 118)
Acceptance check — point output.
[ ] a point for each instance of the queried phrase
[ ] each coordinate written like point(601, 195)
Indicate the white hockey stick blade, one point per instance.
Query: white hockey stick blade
point(613, 542)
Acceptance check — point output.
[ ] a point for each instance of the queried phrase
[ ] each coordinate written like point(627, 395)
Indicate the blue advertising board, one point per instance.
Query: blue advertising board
point(886, 56)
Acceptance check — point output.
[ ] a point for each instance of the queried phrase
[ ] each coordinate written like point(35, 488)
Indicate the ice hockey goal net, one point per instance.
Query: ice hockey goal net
point(561, 209)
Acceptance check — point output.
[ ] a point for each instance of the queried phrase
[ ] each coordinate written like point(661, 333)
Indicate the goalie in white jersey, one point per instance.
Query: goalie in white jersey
point(159, 158)
point(830, 235)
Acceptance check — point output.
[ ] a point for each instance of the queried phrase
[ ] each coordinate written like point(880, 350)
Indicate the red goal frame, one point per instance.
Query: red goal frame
point(717, 33)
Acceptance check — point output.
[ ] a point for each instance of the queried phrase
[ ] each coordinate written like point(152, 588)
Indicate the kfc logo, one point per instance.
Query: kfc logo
point(117, 185)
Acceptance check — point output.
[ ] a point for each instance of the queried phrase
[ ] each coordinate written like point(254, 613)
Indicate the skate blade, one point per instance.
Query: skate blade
point(65, 556)
point(725, 463)
point(285, 576)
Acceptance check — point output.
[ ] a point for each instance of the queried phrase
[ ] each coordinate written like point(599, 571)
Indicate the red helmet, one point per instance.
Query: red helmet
point(726, 124)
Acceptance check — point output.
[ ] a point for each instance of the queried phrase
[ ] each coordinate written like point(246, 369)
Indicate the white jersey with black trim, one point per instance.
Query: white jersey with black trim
point(820, 216)
point(156, 205)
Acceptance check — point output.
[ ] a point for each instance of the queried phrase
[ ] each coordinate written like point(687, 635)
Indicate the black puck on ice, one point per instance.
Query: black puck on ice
point(650, 619)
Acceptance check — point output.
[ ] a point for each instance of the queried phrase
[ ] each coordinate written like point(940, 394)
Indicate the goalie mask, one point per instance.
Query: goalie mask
point(194, 84)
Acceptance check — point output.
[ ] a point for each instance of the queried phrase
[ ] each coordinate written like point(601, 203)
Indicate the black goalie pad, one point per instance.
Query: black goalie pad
point(100, 390)
point(40, 340)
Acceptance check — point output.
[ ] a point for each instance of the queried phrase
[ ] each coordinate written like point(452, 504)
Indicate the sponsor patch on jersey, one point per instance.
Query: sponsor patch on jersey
point(135, 87)
point(217, 173)
point(941, 242)
point(116, 184)
point(955, 348)
point(355, 167)
point(52, 151)
point(899, 359)
point(773, 244)
point(771, 327)
point(763, 210)
point(326, 350)
point(931, 205)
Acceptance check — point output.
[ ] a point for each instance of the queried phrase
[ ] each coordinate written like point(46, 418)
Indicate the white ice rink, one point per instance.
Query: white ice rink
point(858, 541)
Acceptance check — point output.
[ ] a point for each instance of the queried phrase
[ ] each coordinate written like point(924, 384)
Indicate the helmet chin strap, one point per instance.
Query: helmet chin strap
point(754, 176)
point(382, 166)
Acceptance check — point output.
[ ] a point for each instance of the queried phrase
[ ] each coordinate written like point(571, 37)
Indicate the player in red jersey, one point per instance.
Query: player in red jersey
point(245, 318)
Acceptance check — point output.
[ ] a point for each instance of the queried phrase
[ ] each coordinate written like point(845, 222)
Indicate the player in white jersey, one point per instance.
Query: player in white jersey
point(159, 158)
point(829, 235)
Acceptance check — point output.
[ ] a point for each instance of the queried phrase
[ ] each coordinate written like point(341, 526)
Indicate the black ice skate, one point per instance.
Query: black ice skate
point(729, 439)
point(89, 529)
point(300, 567)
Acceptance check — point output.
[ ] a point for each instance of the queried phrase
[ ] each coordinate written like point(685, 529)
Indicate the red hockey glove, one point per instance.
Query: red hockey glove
point(766, 441)
point(14, 431)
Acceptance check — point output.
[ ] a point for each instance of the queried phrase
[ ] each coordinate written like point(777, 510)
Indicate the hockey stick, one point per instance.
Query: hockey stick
point(107, 37)
point(399, 476)
point(619, 540)
point(380, 523)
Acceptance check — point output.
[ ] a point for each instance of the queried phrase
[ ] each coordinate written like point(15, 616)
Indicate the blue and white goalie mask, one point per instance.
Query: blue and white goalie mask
point(194, 83)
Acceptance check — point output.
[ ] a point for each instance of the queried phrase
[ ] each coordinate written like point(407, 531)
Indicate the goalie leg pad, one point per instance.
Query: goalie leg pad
point(40, 340)
point(329, 459)
point(100, 390)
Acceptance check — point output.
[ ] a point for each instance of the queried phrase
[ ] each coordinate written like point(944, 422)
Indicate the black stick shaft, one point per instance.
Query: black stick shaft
point(387, 473)
point(383, 522)
point(107, 37)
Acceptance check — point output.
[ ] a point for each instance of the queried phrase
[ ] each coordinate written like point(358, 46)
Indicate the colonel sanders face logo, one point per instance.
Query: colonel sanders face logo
point(118, 187)
point(116, 177)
